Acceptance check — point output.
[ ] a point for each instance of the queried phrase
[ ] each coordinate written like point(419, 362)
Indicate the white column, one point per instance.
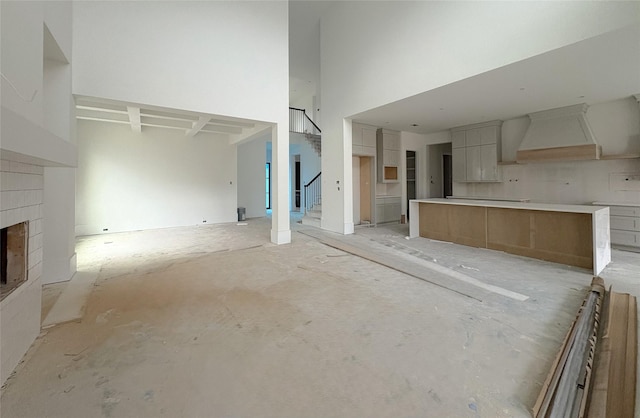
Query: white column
point(347, 149)
point(59, 256)
point(337, 187)
point(280, 228)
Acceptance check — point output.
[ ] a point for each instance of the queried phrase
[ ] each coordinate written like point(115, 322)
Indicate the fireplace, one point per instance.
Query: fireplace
point(15, 240)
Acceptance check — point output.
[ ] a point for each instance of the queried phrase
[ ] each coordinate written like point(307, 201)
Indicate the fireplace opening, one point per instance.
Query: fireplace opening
point(14, 257)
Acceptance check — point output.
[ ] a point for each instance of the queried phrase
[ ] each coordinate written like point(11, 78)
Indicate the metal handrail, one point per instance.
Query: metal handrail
point(301, 123)
point(312, 193)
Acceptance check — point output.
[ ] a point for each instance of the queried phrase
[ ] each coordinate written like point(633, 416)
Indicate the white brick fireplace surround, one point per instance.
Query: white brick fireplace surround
point(21, 199)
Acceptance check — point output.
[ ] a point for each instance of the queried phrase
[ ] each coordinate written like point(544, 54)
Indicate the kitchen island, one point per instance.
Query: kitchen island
point(577, 235)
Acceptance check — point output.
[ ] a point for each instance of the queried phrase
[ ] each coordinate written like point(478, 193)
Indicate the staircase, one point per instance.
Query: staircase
point(313, 201)
point(300, 123)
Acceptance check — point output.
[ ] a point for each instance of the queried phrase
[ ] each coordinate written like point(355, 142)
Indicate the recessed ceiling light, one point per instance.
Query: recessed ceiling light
point(580, 97)
point(521, 88)
point(414, 124)
point(387, 122)
point(442, 108)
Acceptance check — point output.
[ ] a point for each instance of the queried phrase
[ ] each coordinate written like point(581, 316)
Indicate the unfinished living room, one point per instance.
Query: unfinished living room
point(313, 209)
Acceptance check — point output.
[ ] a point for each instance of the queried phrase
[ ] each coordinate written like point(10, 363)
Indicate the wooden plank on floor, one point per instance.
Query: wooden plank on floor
point(72, 301)
point(434, 273)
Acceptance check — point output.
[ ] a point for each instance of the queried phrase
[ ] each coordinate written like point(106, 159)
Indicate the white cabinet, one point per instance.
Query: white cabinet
point(388, 209)
point(624, 222)
point(474, 163)
point(388, 153)
point(459, 156)
point(458, 139)
point(489, 162)
point(363, 140)
point(476, 152)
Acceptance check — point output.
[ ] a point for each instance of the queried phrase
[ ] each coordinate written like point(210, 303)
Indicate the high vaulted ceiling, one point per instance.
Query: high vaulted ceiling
point(191, 123)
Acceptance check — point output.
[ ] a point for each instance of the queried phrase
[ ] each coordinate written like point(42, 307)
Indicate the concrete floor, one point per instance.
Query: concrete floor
point(214, 321)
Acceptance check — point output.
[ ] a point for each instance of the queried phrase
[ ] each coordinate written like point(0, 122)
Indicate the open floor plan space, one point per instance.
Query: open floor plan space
point(216, 321)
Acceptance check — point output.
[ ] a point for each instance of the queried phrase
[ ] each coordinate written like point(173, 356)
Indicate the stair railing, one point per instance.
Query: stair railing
point(301, 123)
point(312, 193)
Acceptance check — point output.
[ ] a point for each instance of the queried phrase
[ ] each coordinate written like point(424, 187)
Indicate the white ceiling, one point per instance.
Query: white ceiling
point(596, 70)
point(190, 123)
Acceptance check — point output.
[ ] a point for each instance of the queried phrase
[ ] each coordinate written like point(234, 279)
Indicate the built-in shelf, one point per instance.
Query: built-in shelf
point(507, 162)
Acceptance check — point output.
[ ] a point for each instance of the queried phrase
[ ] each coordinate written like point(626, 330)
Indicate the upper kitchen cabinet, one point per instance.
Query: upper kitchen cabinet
point(476, 152)
point(363, 140)
point(388, 150)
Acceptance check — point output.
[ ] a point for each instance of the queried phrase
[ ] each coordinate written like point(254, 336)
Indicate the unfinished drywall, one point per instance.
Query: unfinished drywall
point(158, 178)
point(616, 126)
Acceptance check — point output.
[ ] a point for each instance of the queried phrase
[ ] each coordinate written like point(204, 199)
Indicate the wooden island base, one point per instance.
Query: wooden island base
point(567, 234)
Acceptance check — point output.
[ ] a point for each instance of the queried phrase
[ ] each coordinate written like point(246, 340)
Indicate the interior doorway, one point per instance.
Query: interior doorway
point(296, 183)
point(366, 183)
point(363, 190)
point(447, 175)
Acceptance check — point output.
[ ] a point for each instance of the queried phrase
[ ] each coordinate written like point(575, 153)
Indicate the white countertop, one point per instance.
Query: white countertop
point(617, 204)
point(551, 207)
point(499, 199)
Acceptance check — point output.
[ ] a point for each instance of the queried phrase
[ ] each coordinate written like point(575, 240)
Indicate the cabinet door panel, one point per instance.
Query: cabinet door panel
point(356, 138)
point(625, 222)
point(624, 211)
point(489, 163)
point(473, 137)
point(474, 163)
point(459, 157)
point(392, 212)
point(489, 135)
point(391, 158)
point(625, 237)
point(457, 139)
point(379, 212)
point(368, 137)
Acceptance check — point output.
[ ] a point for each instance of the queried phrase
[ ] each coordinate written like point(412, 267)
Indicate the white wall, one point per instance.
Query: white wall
point(21, 200)
point(616, 126)
point(222, 57)
point(252, 157)
point(154, 179)
point(36, 134)
point(355, 169)
point(419, 143)
point(374, 53)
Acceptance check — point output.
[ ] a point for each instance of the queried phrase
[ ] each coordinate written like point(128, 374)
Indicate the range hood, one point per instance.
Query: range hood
point(561, 134)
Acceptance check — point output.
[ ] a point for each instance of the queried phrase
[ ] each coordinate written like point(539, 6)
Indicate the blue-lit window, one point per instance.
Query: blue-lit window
point(268, 185)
